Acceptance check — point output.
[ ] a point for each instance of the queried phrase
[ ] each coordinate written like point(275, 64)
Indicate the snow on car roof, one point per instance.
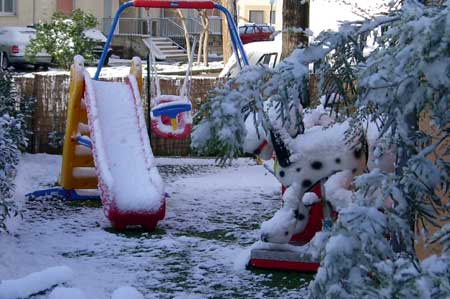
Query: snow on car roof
point(94, 34)
point(254, 51)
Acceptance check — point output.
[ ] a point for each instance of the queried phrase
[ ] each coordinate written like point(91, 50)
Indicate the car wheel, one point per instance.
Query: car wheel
point(43, 67)
point(4, 61)
point(106, 62)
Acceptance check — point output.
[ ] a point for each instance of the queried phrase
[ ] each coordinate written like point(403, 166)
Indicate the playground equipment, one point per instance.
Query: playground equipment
point(106, 144)
point(284, 259)
point(115, 138)
point(170, 115)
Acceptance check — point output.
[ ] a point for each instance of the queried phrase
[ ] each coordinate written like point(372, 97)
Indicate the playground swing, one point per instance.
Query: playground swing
point(171, 115)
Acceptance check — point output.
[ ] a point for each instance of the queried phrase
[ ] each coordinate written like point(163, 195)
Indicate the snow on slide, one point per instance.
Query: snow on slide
point(131, 188)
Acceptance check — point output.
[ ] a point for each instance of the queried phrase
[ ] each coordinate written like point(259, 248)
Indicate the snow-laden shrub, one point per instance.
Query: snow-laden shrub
point(15, 116)
point(393, 68)
point(62, 37)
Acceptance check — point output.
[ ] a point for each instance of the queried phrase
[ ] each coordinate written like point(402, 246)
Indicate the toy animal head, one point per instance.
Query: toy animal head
point(291, 219)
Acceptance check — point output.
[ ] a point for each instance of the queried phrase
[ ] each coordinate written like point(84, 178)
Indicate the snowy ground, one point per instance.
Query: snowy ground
point(198, 251)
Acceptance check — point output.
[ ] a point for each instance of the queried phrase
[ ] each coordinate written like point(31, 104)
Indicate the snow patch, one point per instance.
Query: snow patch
point(67, 293)
point(127, 293)
point(35, 282)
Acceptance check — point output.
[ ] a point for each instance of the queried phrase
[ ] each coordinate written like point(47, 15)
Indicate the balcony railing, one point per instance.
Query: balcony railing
point(170, 27)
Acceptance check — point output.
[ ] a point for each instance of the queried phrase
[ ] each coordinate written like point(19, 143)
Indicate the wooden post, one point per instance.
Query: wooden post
point(295, 14)
point(227, 49)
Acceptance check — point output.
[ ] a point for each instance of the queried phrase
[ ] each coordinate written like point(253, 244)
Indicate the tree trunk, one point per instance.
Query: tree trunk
point(186, 33)
point(201, 37)
point(202, 51)
point(227, 49)
point(200, 48)
point(295, 15)
point(205, 38)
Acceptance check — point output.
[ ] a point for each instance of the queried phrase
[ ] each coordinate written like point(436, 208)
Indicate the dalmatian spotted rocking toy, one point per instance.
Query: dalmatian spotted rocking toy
point(320, 152)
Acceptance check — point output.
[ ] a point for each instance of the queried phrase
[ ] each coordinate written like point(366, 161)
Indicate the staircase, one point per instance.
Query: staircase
point(164, 48)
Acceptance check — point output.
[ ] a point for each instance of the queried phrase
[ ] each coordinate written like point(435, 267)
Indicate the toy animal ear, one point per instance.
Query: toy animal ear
point(281, 151)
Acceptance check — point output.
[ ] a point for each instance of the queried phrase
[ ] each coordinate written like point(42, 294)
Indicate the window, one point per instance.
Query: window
point(256, 16)
point(64, 6)
point(7, 7)
point(250, 30)
point(269, 59)
point(273, 15)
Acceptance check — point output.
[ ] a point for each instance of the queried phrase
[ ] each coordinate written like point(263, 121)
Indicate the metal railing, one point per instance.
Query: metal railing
point(168, 26)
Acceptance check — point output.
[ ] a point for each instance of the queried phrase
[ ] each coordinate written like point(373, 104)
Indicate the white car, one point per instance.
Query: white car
point(100, 40)
point(13, 41)
point(267, 52)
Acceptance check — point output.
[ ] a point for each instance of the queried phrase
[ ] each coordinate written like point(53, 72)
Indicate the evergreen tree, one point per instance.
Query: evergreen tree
point(392, 68)
point(15, 115)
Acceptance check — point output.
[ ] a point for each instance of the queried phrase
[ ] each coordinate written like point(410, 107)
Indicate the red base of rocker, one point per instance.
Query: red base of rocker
point(279, 260)
point(315, 220)
point(306, 267)
point(148, 221)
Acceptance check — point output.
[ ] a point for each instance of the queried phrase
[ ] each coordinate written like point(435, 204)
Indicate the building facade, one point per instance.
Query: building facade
point(260, 12)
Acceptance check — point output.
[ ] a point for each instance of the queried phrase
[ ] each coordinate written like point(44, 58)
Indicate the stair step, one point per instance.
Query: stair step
point(83, 128)
point(84, 172)
point(159, 38)
point(81, 150)
point(176, 56)
point(168, 47)
point(177, 51)
point(165, 45)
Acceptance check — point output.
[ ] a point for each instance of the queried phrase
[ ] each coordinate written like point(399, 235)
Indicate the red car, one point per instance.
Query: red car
point(256, 33)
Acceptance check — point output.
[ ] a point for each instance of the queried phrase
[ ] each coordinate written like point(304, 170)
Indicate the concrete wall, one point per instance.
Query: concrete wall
point(244, 7)
point(29, 12)
point(93, 7)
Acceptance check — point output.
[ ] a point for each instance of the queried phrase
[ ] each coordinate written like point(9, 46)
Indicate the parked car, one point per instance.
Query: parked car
point(100, 39)
point(255, 33)
point(267, 53)
point(13, 41)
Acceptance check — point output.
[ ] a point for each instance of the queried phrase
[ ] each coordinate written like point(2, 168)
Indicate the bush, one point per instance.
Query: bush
point(15, 116)
point(63, 38)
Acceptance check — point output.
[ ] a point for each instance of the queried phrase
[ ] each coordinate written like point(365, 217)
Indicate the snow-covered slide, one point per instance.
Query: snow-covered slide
point(131, 188)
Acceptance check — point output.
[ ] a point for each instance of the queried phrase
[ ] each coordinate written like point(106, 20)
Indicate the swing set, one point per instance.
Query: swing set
point(170, 115)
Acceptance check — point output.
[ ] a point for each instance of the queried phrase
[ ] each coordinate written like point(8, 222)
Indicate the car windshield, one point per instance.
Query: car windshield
point(266, 29)
point(250, 30)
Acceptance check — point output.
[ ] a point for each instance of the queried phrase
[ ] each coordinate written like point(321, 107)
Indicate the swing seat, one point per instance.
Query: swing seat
point(171, 117)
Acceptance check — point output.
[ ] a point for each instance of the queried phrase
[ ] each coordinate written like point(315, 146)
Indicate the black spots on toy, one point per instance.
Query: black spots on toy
point(337, 160)
point(282, 173)
point(316, 165)
point(298, 169)
point(358, 153)
point(306, 184)
point(265, 237)
point(299, 216)
point(281, 150)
